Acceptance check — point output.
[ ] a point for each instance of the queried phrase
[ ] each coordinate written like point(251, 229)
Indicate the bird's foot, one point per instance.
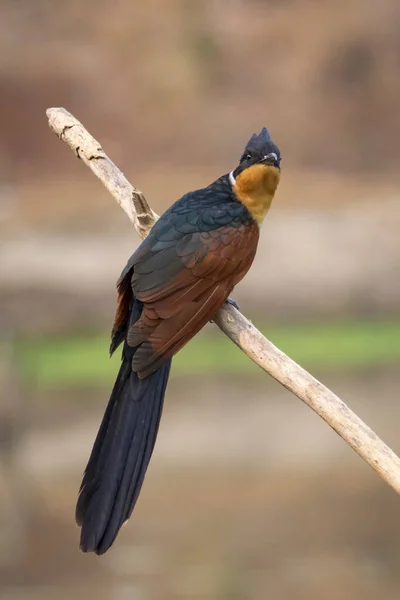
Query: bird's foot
point(231, 301)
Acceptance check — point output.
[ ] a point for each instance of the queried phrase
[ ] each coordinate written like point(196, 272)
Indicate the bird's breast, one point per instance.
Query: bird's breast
point(255, 188)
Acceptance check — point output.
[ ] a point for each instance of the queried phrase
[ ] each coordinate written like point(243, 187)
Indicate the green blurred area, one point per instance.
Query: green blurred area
point(82, 360)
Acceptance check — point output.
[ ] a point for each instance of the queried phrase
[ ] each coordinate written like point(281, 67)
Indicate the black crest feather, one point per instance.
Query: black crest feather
point(263, 136)
point(258, 141)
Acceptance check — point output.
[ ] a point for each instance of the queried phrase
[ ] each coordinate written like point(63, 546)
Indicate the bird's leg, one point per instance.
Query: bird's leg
point(231, 301)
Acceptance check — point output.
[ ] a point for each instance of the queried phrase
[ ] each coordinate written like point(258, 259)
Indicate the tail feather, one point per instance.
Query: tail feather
point(120, 456)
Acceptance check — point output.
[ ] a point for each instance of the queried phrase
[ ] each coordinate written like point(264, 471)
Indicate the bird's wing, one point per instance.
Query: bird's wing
point(182, 276)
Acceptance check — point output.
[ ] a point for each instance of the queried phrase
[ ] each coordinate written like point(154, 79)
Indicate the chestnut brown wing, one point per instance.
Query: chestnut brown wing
point(182, 285)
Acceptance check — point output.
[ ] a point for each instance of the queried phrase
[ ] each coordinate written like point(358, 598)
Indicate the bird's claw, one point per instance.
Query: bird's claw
point(231, 301)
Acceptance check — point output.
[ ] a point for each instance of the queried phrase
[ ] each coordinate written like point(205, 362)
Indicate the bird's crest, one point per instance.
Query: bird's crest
point(258, 140)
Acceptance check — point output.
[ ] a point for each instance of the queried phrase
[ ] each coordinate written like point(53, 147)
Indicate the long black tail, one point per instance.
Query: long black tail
point(120, 456)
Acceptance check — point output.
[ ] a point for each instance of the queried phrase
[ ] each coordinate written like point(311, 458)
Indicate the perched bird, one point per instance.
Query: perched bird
point(175, 282)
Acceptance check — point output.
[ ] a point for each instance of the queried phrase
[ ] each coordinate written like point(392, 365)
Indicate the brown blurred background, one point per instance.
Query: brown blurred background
point(249, 495)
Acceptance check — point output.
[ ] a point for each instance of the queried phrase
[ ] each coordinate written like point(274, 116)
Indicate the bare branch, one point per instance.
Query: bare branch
point(131, 200)
point(239, 329)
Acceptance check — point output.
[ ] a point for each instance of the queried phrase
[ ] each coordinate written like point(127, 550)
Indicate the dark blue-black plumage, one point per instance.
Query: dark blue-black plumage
point(171, 286)
point(121, 453)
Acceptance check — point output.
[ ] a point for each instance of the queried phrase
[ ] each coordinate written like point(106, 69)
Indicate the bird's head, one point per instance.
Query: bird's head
point(257, 175)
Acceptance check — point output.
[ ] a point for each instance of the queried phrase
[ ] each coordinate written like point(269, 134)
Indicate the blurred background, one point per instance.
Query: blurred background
point(249, 495)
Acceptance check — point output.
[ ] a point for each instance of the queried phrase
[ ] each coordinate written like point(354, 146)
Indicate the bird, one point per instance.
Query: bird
point(173, 284)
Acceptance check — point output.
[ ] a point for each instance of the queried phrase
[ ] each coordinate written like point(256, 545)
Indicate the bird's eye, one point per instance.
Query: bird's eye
point(249, 156)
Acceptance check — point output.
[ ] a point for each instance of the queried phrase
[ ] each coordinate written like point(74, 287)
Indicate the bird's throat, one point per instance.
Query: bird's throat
point(255, 187)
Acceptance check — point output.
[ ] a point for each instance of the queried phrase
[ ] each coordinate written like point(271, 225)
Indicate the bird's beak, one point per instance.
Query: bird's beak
point(271, 159)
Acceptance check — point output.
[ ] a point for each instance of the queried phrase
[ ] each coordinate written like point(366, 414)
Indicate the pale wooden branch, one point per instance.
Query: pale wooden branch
point(239, 329)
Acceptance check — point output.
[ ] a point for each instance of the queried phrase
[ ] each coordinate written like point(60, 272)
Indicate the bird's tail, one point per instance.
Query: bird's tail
point(120, 456)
